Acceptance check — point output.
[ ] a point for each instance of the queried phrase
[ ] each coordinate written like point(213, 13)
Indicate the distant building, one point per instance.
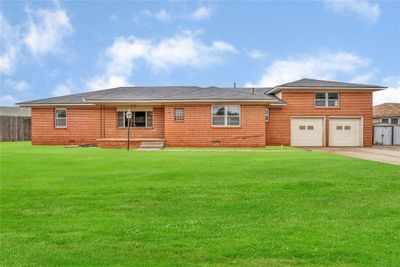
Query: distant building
point(387, 113)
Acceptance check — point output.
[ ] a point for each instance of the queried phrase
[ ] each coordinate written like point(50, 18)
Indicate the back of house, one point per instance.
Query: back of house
point(306, 112)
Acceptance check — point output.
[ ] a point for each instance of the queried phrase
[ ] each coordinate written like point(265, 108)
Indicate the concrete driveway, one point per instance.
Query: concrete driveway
point(385, 154)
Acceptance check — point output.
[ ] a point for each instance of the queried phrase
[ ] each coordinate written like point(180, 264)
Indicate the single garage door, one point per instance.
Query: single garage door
point(307, 131)
point(345, 132)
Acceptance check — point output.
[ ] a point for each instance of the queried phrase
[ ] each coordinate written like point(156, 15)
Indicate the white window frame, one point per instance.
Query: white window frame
point(179, 117)
point(326, 100)
point(390, 120)
point(133, 119)
point(225, 115)
point(267, 114)
point(55, 118)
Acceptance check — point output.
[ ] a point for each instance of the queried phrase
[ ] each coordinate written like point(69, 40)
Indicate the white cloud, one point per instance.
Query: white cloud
point(323, 65)
point(106, 81)
point(184, 49)
point(8, 100)
point(10, 46)
point(362, 8)
point(161, 15)
point(364, 77)
point(63, 89)
point(47, 30)
point(256, 54)
point(16, 85)
point(223, 47)
point(201, 13)
point(392, 94)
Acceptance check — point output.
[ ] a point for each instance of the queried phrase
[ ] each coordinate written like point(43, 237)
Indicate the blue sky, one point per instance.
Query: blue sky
point(55, 48)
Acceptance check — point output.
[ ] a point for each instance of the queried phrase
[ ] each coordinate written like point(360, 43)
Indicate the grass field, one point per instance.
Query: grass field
point(102, 207)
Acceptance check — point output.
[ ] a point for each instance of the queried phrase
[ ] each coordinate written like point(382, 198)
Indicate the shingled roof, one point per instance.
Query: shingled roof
point(313, 83)
point(160, 94)
point(387, 110)
point(321, 83)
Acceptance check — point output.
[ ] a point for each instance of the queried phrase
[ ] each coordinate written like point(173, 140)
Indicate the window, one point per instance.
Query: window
point(339, 127)
point(302, 127)
point(179, 114)
point(228, 115)
point(140, 119)
point(347, 128)
point(326, 99)
point(310, 127)
point(394, 121)
point(267, 114)
point(60, 118)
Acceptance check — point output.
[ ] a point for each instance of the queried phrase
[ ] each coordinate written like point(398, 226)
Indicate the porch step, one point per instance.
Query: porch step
point(151, 145)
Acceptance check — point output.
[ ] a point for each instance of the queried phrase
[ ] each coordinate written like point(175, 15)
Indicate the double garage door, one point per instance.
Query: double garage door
point(310, 131)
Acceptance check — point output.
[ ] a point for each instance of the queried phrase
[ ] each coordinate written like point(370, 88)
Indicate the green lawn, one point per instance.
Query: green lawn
point(102, 207)
point(269, 148)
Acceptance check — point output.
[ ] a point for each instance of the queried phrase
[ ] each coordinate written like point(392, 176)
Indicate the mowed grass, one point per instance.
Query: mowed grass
point(102, 207)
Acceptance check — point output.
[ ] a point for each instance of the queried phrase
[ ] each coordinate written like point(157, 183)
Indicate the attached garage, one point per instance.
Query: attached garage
point(345, 131)
point(307, 131)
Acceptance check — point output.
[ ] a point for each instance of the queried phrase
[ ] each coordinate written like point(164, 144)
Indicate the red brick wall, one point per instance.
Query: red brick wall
point(302, 104)
point(196, 129)
point(83, 126)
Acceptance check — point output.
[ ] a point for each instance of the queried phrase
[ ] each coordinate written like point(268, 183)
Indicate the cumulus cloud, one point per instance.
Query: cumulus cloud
point(161, 15)
point(392, 94)
point(8, 100)
point(47, 28)
point(361, 8)
point(43, 33)
point(63, 89)
point(184, 49)
point(323, 65)
point(201, 13)
point(256, 54)
point(16, 85)
point(10, 46)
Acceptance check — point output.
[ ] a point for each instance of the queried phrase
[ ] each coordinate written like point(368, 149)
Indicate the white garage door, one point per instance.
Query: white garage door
point(307, 132)
point(345, 132)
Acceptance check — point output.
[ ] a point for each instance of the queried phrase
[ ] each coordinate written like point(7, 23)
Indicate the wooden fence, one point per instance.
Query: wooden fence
point(13, 128)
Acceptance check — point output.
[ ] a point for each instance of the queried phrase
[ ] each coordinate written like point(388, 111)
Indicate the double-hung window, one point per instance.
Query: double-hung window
point(140, 119)
point(60, 118)
point(267, 114)
point(327, 99)
point(226, 115)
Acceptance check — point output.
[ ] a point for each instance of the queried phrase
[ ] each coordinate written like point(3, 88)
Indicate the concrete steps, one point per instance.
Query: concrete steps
point(151, 145)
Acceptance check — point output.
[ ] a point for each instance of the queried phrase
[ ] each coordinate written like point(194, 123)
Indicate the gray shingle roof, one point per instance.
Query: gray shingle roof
point(161, 93)
point(322, 83)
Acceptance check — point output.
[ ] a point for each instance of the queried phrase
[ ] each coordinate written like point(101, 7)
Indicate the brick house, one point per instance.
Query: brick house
point(301, 113)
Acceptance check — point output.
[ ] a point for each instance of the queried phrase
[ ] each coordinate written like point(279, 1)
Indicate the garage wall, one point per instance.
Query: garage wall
point(302, 104)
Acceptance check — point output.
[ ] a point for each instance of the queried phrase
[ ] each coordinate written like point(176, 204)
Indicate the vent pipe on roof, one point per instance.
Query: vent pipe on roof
point(234, 85)
point(252, 91)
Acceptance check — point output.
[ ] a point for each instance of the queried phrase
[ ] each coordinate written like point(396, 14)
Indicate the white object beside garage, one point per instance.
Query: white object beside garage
point(345, 131)
point(307, 131)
